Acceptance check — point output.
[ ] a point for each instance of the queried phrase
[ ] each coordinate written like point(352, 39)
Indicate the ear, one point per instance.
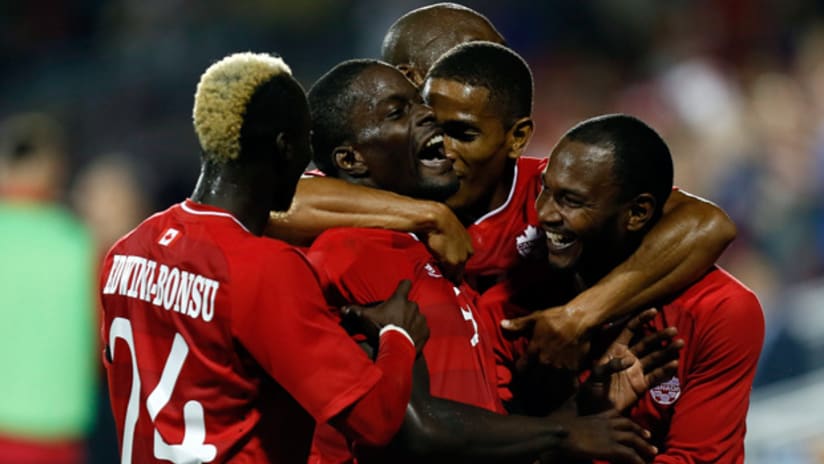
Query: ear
point(411, 72)
point(641, 211)
point(519, 136)
point(283, 146)
point(350, 161)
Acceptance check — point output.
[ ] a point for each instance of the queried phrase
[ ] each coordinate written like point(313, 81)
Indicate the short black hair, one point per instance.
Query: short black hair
point(330, 104)
point(272, 109)
point(641, 159)
point(495, 67)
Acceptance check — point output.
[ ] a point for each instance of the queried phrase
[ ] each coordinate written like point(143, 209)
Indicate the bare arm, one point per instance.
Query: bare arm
point(439, 430)
point(322, 203)
point(683, 245)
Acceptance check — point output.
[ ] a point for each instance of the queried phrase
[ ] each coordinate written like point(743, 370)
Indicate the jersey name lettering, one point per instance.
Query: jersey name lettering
point(164, 286)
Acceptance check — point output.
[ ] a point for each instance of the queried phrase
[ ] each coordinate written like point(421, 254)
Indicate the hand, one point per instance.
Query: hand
point(397, 310)
point(606, 436)
point(653, 360)
point(558, 339)
point(450, 243)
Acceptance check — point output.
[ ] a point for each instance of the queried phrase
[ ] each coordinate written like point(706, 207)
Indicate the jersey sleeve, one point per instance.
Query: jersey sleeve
point(708, 423)
point(288, 329)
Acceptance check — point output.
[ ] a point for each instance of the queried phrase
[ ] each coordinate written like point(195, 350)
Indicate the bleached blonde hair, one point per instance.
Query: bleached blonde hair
point(222, 96)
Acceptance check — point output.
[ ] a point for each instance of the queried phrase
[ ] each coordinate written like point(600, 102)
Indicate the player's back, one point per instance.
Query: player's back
point(181, 295)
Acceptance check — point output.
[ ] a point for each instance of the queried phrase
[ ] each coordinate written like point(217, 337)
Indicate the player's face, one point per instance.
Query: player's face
point(578, 207)
point(397, 137)
point(474, 138)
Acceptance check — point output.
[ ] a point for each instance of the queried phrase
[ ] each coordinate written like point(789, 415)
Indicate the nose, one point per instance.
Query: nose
point(424, 115)
point(547, 208)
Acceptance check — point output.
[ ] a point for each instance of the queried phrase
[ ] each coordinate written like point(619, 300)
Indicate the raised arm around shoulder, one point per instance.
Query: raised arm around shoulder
point(323, 203)
point(680, 248)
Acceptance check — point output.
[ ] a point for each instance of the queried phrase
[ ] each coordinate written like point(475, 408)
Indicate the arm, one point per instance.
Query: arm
point(322, 203)
point(438, 430)
point(686, 241)
point(709, 419)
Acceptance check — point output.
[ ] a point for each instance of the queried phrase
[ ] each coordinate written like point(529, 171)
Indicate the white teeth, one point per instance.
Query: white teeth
point(434, 140)
point(557, 239)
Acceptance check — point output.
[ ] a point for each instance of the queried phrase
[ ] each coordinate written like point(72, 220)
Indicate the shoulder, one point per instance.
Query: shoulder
point(532, 166)
point(354, 241)
point(727, 314)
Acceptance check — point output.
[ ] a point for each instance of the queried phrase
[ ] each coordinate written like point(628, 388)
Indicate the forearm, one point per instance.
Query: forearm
point(681, 247)
point(322, 203)
point(376, 417)
point(440, 430)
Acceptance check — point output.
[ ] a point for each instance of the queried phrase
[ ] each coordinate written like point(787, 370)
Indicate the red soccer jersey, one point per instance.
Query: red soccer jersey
point(509, 237)
point(364, 266)
point(699, 415)
point(219, 343)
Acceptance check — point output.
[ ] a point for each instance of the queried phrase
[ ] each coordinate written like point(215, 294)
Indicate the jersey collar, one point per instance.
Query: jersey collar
point(199, 209)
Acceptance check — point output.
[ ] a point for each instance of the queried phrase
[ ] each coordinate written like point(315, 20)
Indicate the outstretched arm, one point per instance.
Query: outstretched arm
point(683, 245)
point(439, 430)
point(322, 203)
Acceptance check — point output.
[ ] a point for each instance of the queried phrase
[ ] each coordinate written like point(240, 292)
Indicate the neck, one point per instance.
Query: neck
point(238, 190)
point(590, 271)
point(491, 201)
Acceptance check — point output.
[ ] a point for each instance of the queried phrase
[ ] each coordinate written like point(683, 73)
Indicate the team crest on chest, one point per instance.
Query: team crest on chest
point(667, 392)
point(528, 243)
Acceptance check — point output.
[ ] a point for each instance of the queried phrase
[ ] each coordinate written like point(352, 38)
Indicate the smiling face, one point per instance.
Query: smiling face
point(474, 138)
point(580, 208)
point(396, 138)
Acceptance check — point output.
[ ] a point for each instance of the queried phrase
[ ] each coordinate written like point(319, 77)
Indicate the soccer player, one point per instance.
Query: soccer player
point(488, 128)
point(604, 188)
point(372, 128)
point(219, 344)
point(417, 39)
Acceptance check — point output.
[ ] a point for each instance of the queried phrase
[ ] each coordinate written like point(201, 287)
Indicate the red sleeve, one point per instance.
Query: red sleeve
point(288, 330)
point(395, 355)
point(708, 424)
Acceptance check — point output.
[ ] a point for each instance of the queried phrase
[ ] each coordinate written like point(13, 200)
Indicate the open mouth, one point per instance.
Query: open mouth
point(558, 241)
point(432, 154)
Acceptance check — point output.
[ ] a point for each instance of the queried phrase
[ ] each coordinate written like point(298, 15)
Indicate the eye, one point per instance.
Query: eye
point(571, 201)
point(462, 135)
point(397, 111)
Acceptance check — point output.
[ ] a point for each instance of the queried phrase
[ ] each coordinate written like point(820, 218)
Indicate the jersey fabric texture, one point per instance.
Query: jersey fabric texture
point(219, 343)
point(700, 414)
point(508, 241)
point(364, 266)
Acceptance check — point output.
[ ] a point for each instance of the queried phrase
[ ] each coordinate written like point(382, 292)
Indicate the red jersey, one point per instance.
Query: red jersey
point(364, 266)
point(219, 344)
point(509, 237)
point(699, 415)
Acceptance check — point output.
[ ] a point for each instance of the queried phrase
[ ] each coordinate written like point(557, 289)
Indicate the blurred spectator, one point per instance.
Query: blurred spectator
point(47, 356)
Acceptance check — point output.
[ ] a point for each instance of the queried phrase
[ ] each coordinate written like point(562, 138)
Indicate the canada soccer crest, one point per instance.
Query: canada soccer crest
point(529, 242)
point(667, 392)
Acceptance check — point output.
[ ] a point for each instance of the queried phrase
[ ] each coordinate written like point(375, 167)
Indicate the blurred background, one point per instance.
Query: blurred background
point(96, 97)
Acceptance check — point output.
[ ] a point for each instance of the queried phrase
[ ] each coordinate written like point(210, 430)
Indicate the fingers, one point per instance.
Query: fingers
point(653, 341)
point(635, 325)
point(520, 323)
point(637, 443)
point(662, 373)
point(626, 455)
point(661, 356)
point(602, 372)
point(402, 291)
